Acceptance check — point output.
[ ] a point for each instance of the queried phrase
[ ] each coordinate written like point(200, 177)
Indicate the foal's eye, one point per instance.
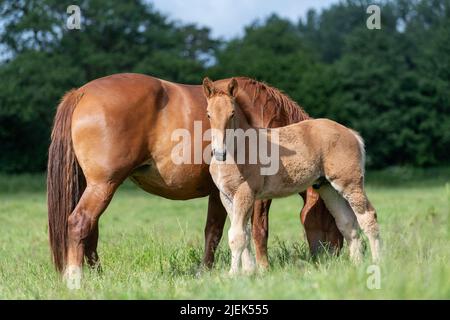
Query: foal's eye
point(232, 114)
point(209, 117)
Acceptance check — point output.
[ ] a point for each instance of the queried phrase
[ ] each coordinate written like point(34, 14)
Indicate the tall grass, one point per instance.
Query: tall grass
point(151, 248)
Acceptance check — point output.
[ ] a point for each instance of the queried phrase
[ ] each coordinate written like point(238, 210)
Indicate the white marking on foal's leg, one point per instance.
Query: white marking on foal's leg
point(345, 219)
point(336, 187)
point(248, 259)
point(72, 276)
point(366, 216)
point(355, 247)
point(236, 241)
point(371, 229)
point(239, 233)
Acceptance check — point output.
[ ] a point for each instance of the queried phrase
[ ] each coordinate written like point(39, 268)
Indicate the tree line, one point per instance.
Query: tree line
point(392, 85)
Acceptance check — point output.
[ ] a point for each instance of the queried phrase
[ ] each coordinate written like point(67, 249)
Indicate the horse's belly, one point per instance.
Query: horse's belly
point(180, 182)
point(291, 178)
point(283, 191)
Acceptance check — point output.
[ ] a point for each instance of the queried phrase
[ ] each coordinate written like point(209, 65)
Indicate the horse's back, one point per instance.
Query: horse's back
point(320, 133)
point(122, 127)
point(341, 148)
point(336, 137)
point(311, 149)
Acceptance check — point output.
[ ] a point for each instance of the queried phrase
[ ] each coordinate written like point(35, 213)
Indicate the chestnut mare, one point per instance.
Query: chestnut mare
point(120, 126)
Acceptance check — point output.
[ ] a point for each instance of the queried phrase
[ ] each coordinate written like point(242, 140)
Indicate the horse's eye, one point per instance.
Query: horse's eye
point(209, 117)
point(232, 114)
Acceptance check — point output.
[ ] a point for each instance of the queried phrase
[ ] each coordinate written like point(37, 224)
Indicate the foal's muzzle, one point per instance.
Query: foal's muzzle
point(220, 155)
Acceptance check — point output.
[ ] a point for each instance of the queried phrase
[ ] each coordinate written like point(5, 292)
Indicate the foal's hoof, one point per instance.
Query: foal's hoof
point(233, 273)
point(376, 259)
point(72, 277)
point(356, 260)
point(249, 269)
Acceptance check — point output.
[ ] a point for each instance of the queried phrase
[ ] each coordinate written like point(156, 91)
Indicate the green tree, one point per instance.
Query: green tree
point(43, 59)
point(271, 51)
point(392, 85)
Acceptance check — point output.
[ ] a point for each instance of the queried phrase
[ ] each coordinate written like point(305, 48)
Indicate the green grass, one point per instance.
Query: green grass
point(151, 247)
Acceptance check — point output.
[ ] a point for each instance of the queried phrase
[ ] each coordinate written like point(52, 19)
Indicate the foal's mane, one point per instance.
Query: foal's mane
point(274, 102)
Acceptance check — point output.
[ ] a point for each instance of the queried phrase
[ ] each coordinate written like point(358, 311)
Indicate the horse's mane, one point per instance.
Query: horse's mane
point(273, 101)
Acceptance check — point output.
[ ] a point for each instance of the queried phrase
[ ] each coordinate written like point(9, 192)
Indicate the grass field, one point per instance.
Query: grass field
point(151, 247)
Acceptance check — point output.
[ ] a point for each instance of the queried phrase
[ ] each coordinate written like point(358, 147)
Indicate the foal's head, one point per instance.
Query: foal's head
point(220, 110)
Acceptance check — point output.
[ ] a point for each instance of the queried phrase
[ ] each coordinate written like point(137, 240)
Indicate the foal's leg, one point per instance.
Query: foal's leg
point(345, 220)
point(366, 215)
point(239, 234)
point(248, 259)
point(214, 227)
point(260, 224)
point(82, 224)
point(320, 226)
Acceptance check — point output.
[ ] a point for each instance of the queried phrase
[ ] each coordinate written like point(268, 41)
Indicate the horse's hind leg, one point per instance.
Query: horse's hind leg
point(345, 219)
point(366, 215)
point(90, 250)
point(82, 228)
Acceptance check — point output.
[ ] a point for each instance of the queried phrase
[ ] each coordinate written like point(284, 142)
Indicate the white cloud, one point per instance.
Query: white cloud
point(227, 18)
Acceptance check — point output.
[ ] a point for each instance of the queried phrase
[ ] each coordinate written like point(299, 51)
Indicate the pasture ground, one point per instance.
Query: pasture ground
point(151, 247)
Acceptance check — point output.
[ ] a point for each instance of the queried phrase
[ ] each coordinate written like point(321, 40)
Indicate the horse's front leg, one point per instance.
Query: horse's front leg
point(239, 234)
point(320, 226)
point(214, 227)
point(260, 224)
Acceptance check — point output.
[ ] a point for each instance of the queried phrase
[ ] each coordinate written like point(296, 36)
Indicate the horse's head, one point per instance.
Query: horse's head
point(220, 110)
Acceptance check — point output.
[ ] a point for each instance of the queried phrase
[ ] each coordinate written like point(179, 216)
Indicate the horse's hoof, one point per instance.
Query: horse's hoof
point(202, 269)
point(96, 267)
point(233, 273)
point(72, 277)
point(263, 268)
point(249, 272)
point(249, 268)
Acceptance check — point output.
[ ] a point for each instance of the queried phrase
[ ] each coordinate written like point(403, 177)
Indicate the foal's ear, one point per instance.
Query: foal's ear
point(233, 87)
point(208, 87)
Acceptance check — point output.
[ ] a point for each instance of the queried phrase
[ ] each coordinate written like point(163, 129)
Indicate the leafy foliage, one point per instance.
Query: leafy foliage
point(392, 85)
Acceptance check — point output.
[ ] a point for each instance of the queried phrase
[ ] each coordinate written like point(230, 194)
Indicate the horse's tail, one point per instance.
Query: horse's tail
point(65, 179)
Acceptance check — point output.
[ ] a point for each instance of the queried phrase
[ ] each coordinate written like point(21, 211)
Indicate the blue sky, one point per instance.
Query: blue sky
point(227, 18)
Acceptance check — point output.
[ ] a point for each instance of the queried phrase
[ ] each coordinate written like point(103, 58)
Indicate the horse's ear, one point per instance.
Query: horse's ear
point(208, 87)
point(233, 87)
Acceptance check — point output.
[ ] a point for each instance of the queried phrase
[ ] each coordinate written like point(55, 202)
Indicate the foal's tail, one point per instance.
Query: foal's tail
point(65, 179)
point(362, 148)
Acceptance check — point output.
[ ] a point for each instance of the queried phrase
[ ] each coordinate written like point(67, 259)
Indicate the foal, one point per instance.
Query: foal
point(317, 152)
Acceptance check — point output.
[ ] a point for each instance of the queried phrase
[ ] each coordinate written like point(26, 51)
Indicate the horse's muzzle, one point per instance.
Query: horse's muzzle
point(220, 156)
